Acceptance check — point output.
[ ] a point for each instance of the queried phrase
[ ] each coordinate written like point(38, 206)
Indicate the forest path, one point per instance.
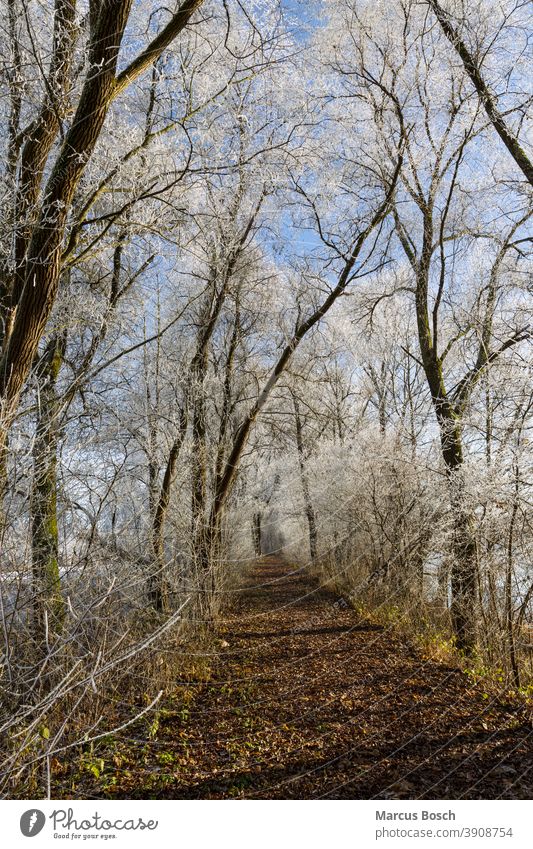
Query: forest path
point(307, 701)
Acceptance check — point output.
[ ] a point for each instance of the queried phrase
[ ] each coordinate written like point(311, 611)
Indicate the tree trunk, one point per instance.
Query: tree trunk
point(199, 469)
point(256, 533)
point(49, 606)
point(509, 617)
point(158, 585)
point(464, 547)
point(205, 533)
point(308, 504)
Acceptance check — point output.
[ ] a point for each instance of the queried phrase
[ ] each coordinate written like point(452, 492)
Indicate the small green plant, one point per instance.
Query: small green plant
point(165, 758)
point(153, 726)
point(92, 764)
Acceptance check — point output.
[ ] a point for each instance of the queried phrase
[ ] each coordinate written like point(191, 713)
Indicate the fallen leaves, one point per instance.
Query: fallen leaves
point(306, 700)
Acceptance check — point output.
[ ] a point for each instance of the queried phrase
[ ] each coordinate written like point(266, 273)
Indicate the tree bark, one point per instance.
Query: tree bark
point(308, 504)
point(49, 605)
point(37, 146)
point(509, 615)
point(256, 533)
point(158, 585)
point(202, 544)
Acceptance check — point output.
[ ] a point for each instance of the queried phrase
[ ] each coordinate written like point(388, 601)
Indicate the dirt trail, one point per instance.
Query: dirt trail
point(306, 701)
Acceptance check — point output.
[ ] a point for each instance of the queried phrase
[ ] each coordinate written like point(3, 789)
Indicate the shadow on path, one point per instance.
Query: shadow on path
point(307, 701)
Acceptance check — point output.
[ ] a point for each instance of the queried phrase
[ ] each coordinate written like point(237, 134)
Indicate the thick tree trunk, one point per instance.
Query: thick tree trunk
point(37, 147)
point(42, 266)
point(205, 534)
point(464, 547)
point(49, 605)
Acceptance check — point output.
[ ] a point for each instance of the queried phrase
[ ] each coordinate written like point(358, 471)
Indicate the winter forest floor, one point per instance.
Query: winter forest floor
point(305, 700)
